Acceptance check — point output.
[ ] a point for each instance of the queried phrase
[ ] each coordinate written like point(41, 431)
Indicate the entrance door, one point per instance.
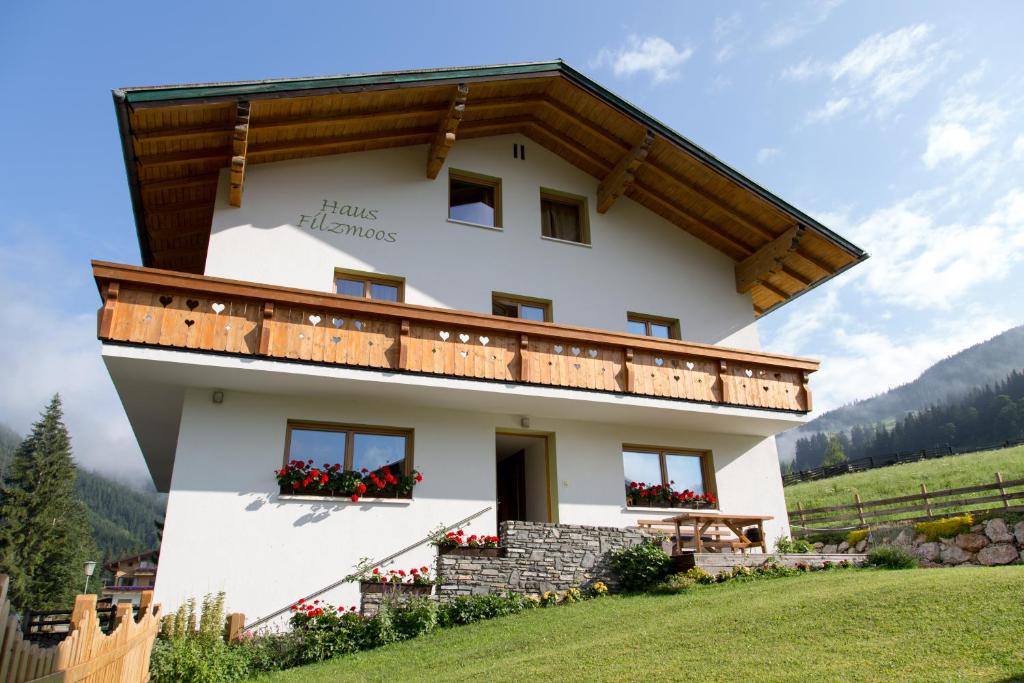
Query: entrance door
point(512, 488)
point(523, 486)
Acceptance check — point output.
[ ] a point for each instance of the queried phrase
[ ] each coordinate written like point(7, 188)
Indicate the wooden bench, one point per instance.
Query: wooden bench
point(716, 536)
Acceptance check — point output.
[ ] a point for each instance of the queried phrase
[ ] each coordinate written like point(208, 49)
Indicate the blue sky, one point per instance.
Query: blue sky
point(900, 125)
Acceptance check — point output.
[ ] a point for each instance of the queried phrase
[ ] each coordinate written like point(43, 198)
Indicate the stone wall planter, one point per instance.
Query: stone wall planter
point(472, 552)
point(411, 588)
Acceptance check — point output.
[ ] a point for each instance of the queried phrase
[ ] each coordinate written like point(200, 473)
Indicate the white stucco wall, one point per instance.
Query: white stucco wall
point(637, 261)
point(227, 529)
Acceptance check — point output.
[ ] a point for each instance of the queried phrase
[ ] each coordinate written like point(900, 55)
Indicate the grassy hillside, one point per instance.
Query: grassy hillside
point(917, 625)
point(122, 518)
point(951, 377)
point(902, 480)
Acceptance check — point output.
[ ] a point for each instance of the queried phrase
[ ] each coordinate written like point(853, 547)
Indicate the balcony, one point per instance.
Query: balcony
point(173, 310)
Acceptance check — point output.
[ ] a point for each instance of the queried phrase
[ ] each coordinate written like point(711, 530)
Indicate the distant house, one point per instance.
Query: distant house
point(131, 576)
point(371, 305)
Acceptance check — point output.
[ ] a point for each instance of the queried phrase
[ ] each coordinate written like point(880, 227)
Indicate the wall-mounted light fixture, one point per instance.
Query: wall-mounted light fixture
point(218, 396)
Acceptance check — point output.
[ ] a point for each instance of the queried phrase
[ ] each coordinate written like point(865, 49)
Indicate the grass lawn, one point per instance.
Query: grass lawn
point(845, 625)
point(904, 480)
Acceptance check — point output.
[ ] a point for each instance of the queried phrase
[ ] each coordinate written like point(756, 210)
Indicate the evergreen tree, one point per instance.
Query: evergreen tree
point(45, 535)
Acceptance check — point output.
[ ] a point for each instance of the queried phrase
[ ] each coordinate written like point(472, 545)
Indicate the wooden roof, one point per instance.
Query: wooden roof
point(176, 140)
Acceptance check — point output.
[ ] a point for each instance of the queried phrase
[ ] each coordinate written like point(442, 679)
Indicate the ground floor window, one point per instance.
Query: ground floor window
point(348, 460)
point(668, 477)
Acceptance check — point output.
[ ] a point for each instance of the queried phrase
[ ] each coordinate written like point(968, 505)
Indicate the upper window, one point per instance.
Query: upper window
point(524, 307)
point(652, 326)
point(474, 198)
point(564, 217)
point(369, 285)
point(662, 477)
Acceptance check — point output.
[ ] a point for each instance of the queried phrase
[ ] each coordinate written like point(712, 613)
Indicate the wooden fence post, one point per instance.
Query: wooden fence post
point(860, 508)
point(83, 605)
point(236, 622)
point(1002, 489)
point(927, 504)
point(800, 512)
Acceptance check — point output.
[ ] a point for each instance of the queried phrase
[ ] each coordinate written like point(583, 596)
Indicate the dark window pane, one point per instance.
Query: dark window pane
point(509, 310)
point(661, 330)
point(471, 202)
point(383, 292)
point(636, 326)
point(375, 451)
point(349, 287)
point(560, 220)
point(320, 446)
point(527, 312)
point(641, 467)
point(686, 472)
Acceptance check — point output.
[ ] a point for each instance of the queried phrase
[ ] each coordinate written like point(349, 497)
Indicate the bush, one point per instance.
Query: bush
point(856, 536)
point(639, 567)
point(891, 557)
point(945, 528)
point(675, 583)
point(700, 576)
point(788, 546)
point(198, 660)
point(415, 617)
point(467, 609)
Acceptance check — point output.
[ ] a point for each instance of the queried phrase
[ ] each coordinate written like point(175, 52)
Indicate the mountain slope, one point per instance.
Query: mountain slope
point(950, 378)
point(122, 518)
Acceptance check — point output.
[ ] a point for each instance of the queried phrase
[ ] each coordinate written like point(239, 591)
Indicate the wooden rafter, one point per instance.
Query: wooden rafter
point(239, 149)
point(445, 137)
point(622, 176)
point(767, 260)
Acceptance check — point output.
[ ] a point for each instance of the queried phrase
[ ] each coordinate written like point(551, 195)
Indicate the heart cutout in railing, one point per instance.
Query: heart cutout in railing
point(749, 373)
point(443, 335)
point(557, 348)
point(190, 323)
point(485, 340)
point(335, 340)
point(337, 322)
point(315, 319)
point(217, 308)
point(463, 353)
point(592, 353)
point(659, 362)
point(165, 301)
point(575, 350)
point(148, 317)
point(359, 325)
point(463, 338)
point(577, 366)
point(191, 303)
point(689, 365)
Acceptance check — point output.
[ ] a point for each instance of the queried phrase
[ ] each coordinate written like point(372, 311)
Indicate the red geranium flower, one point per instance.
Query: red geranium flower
point(355, 498)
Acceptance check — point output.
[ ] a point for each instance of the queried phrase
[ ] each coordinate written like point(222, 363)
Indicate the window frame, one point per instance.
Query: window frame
point(493, 182)
point(350, 430)
point(519, 300)
point(580, 202)
point(369, 279)
point(707, 463)
point(647, 319)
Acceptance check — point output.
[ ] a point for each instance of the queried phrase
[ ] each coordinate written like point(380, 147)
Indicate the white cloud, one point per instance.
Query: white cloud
point(800, 23)
point(878, 74)
point(767, 153)
point(1017, 149)
point(49, 349)
point(651, 54)
point(962, 128)
point(724, 35)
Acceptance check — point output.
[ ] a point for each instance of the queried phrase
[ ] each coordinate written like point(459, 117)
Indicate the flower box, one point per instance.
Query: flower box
point(465, 551)
point(383, 587)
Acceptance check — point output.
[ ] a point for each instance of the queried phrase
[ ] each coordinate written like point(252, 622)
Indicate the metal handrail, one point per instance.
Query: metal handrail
point(364, 568)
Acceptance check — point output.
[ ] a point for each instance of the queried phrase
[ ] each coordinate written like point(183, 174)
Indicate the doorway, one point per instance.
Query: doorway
point(523, 481)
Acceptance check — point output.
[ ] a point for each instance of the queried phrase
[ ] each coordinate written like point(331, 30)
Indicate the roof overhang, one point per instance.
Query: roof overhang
point(177, 139)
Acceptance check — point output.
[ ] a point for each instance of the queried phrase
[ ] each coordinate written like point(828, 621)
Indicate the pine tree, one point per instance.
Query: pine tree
point(45, 535)
point(834, 455)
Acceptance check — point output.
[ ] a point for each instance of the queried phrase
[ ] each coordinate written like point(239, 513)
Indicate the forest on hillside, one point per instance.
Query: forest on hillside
point(989, 415)
point(123, 519)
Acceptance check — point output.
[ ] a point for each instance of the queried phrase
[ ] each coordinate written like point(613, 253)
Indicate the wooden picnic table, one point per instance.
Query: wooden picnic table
point(702, 520)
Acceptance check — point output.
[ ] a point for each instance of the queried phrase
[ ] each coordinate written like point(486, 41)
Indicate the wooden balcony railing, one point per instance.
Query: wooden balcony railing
point(179, 310)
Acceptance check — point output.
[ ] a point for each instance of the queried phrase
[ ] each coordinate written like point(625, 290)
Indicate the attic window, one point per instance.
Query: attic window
point(474, 198)
point(564, 217)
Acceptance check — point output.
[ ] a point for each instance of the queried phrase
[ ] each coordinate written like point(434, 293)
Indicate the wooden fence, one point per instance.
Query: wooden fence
point(898, 458)
point(87, 654)
point(1007, 495)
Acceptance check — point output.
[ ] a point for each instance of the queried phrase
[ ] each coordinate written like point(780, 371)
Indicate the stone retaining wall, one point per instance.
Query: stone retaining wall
point(538, 558)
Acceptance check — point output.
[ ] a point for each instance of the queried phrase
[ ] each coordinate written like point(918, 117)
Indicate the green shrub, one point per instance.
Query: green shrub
point(700, 576)
point(788, 546)
point(945, 528)
point(198, 660)
point(414, 618)
point(467, 609)
point(856, 536)
point(891, 557)
point(640, 566)
point(675, 583)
